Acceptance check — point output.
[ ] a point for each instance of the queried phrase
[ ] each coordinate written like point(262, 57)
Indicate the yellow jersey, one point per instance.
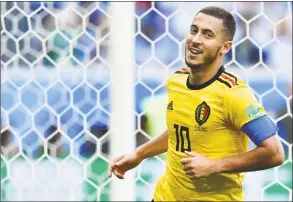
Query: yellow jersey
point(206, 119)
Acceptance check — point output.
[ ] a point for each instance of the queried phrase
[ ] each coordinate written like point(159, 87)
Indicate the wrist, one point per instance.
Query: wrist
point(140, 154)
point(217, 165)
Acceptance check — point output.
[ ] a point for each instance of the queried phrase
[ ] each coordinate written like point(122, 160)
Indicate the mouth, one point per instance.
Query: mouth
point(195, 51)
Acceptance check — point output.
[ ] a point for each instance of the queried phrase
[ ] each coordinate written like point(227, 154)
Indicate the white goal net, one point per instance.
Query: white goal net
point(55, 92)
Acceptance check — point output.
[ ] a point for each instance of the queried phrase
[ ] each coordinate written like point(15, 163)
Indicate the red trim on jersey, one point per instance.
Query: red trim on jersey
point(185, 69)
point(229, 79)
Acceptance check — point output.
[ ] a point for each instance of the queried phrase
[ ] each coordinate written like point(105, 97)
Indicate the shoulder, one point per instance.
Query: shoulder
point(183, 70)
point(239, 95)
point(234, 87)
point(179, 75)
point(230, 80)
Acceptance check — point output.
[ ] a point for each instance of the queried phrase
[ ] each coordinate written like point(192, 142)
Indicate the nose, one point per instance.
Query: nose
point(196, 38)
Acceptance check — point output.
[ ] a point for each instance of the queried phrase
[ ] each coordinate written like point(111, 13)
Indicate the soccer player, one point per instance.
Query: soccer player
point(210, 116)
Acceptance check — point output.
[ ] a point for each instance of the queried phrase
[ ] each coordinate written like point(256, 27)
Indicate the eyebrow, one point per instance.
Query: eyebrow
point(205, 30)
point(193, 26)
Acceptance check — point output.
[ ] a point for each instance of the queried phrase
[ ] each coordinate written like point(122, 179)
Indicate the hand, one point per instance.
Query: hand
point(123, 163)
point(197, 165)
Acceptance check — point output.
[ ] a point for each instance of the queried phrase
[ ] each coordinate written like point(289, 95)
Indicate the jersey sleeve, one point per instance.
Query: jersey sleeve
point(242, 106)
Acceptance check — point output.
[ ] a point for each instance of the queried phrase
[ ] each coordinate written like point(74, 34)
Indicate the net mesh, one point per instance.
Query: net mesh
point(55, 100)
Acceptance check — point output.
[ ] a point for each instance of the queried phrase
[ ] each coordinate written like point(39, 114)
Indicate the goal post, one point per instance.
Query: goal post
point(122, 139)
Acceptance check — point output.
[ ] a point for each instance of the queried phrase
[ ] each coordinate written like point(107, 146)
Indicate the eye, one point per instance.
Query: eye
point(193, 30)
point(208, 35)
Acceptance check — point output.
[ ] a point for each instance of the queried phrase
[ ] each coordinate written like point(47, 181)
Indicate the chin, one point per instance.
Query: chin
point(193, 64)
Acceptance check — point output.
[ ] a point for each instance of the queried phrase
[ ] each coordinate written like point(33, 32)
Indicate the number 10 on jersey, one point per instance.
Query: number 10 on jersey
point(182, 135)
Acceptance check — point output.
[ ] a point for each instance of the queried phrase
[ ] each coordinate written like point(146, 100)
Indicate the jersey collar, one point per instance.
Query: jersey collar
point(197, 87)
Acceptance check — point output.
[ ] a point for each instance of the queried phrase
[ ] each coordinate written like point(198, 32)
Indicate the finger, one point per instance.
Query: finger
point(189, 175)
point(109, 171)
point(192, 154)
point(185, 161)
point(112, 165)
point(118, 159)
point(189, 172)
point(192, 175)
point(118, 174)
point(187, 167)
point(120, 162)
point(111, 168)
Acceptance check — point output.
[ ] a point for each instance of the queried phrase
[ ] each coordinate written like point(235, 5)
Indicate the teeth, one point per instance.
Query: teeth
point(195, 51)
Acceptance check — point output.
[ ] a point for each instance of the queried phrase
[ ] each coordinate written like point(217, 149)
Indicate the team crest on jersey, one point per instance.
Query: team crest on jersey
point(202, 113)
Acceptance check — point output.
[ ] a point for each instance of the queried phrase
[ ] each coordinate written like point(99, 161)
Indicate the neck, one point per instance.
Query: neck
point(203, 74)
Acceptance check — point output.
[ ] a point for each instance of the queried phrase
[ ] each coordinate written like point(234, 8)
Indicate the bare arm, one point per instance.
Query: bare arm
point(154, 147)
point(268, 154)
point(125, 162)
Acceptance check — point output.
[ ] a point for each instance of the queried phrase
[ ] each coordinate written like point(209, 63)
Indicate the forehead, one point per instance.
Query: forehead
point(203, 21)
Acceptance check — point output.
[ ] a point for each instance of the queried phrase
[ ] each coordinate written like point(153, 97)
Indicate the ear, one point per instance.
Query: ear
point(226, 47)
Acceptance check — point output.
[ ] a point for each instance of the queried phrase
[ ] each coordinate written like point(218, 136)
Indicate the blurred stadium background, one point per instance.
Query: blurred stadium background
point(56, 100)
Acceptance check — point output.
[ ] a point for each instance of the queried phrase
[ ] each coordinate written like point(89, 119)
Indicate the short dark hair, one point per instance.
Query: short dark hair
point(228, 19)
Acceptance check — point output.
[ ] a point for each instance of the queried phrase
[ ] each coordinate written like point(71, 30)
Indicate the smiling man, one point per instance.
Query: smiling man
point(210, 117)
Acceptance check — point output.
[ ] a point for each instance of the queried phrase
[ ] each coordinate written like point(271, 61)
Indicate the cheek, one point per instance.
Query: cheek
point(188, 40)
point(212, 48)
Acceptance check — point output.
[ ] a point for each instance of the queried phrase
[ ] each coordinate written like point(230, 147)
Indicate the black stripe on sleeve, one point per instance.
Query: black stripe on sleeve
point(224, 82)
point(179, 72)
point(232, 76)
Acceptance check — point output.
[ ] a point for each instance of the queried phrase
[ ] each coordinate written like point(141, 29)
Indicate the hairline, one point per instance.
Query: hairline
point(224, 29)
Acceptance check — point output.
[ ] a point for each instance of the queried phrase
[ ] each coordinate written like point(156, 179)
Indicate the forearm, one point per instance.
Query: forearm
point(257, 159)
point(154, 147)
